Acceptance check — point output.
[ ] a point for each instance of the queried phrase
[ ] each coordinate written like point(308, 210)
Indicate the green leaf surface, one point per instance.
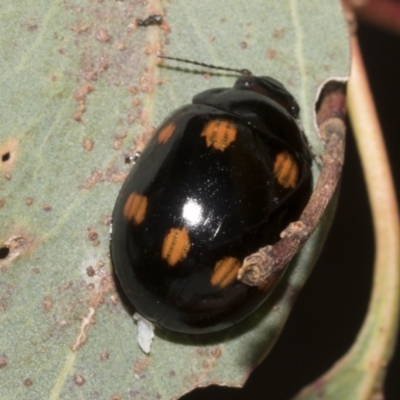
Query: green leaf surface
point(80, 90)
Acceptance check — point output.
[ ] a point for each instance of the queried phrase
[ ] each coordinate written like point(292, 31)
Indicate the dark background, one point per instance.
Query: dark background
point(331, 307)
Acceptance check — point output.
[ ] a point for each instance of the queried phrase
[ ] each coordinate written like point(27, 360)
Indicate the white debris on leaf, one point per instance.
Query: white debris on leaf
point(145, 332)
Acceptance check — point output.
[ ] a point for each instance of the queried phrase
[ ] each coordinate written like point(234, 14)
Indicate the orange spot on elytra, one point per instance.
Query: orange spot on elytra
point(219, 133)
point(225, 272)
point(166, 133)
point(286, 169)
point(135, 208)
point(176, 245)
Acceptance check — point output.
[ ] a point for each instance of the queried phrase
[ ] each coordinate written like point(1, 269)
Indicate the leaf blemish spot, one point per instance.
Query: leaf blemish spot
point(271, 53)
point(106, 220)
point(93, 236)
point(141, 365)
point(3, 362)
point(79, 380)
point(67, 285)
point(5, 157)
point(95, 177)
point(32, 25)
point(105, 285)
point(216, 353)
point(114, 299)
point(80, 97)
point(82, 336)
point(8, 153)
point(118, 142)
point(103, 36)
point(278, 33)
point(47, 303)
point(88, 145)
point(79, 29)
point(12, 248)
point(28, 382)
point(4, 252)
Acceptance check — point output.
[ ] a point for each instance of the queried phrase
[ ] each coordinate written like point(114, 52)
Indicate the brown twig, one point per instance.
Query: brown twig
point(268, 262)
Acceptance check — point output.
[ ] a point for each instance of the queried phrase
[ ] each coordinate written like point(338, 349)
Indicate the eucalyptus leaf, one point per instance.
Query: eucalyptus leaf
point(82, 90)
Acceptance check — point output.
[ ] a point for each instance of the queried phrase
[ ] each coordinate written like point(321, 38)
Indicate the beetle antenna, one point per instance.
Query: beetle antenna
point(239, 71)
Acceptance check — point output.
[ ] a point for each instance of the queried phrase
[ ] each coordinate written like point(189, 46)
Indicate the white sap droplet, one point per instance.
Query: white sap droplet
point(145, 332)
